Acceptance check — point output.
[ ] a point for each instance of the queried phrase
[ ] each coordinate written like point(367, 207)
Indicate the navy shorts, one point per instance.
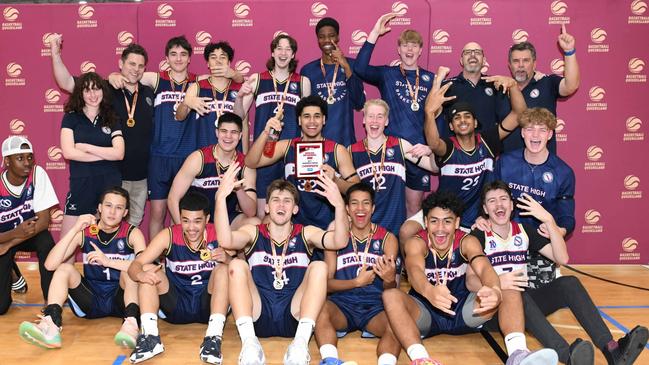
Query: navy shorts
point(180, 306)
point(266, 175)
point(92, 299)
point(275, 318)
point(416, 177)
point(84, 193)
point(358, 310)
point(162, 171)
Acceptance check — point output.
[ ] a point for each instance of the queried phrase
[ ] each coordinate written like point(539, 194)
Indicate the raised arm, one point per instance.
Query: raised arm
point(433, 107)
point(489, 295)
point(228, 239)
point(69, 243)
point(372, 74)
point(556, 250)
point(245, 96)
point(336, 239)
point(61, 74)
point(255, 157)
point(516, 100)
point(183, 180)
point(247, 195)
point(571, 76)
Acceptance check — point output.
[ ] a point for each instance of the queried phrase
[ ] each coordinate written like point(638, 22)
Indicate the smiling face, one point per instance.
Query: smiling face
point(193, 224)
point(498, 205)
point(522, 65)
point(311, 121)
point(360, 209)
point(463, 124)
point(327, 37)
point(281, 207)
point(93, 95)
point(441, 225)
point(375, 120)
point(228, 135)
point(283, 54)
point(133, 67)
point(472, 58)
point(112, 210)
point(536, 137)
point(178, 59)
point(409, 52)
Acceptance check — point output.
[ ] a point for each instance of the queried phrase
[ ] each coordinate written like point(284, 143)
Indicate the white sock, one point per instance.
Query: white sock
point(328, 350)
point(515, 341)
point(387, 359)
point(215, 325)
point(149, 323)
point(417, 351)
point(245, 327)
point(305, 329)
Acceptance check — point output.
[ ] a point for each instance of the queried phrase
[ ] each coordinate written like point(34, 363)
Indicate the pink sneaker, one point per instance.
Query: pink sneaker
point(127, 335)
point(44, 333)
point(427, 361)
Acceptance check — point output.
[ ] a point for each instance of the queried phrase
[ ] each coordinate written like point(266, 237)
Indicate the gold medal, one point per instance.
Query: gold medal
point(331, 100)
point(278, 284)
point(130, 122)
point(308, 185)
point(205, 254)
point(94, 229)
point(414, 106)
point(130, 108)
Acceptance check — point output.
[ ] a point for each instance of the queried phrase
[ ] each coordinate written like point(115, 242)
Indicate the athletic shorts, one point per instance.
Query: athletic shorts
point(358, 310)
point(97, 299)
point(162, 171)
point(433, 322)
point(180, 306)
point(84, 193)
point(276, 318)
point(416, 177)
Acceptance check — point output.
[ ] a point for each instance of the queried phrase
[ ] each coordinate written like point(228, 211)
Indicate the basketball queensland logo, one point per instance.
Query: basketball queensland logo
point(202, 39)
point(87, 66)
point(557, 66)
point(560, 133)
point(243, 67)
point(558, 9)
point(52, 101)
point(629, 249)
point(318, 10)
point(440, 38)
point(165, 16)
point(14, 73)
point(591, 220)
point(46, 51)
point(164, 65)
point(401, 9)
point(55, 159)
point(636, 68)
point(86, 12)
point(124, 38)
point(631, 188)
point(598, 41)
point(594, 155)
point(241, 12)
point(358, 38)
point(596, 95)
point(11, 19)
point(480, 11)
point(519, 36)
point(16, 126)
point(633, 133)
point(638, 9)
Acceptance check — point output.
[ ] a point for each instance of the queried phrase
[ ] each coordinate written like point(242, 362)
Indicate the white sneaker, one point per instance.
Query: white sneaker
point(251, 352)
point(297, 353)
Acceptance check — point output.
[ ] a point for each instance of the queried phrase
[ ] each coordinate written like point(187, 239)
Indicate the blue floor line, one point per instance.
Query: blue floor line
point(33, 305)
point(120, 359)
point(616, 324)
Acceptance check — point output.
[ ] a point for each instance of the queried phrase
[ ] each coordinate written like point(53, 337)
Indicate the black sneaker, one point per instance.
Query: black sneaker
point(19, 286)
point(146, 348)
point(581, 353)
point(211, 350)
point(629, 347)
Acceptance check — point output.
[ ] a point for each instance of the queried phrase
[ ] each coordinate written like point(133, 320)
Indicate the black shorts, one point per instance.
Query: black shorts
point(84, 193)
point(180, 306)
point(93, 299)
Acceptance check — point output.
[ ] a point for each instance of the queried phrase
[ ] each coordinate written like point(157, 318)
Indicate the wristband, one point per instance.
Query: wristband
point(418, 160)
point(569, 53)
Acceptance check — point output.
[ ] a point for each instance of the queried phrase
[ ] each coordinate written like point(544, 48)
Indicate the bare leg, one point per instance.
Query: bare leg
point(329, 320)
point(413, 201)
point(402, 312)
point(388, 343)
point(242, 292)
point(149, 294)
point(312, 293)
point(218, 288)
point(65, 277)
point(158, 215)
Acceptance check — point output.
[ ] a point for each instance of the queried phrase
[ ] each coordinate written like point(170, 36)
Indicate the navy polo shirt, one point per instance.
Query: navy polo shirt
point(484, 99)
point(85, 131)
point(542, 93)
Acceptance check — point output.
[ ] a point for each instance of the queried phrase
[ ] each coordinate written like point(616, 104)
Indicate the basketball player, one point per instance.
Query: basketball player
point(278, 291)
point(108, 246)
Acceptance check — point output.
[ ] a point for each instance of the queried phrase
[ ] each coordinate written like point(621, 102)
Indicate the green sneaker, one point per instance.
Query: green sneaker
point(44, 333)
point(127, 335)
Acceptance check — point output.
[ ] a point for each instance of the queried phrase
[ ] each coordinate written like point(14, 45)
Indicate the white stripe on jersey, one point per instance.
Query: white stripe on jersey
point(451, 273)
point(389, 168)
point(112, 256)
point(189, 267)
point(351, 260)
point(474, 169)
point(296, 259)
point(273, 97)
point(211, 182)
point(15, 213)
point(168, 97)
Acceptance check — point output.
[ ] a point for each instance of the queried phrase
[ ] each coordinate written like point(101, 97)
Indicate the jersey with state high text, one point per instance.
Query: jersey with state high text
point(15, 209)
point(222, 101)
point(386, 173)
point(268, 97)
point(296, 259)
point(207, 182)
point(172, 138)
point(464, 172)
point(314, 208)
point(118, 247)
point(439, 270)
point(183, 264)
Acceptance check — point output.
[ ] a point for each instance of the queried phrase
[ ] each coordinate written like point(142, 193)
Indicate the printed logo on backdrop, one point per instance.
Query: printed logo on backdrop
point(202, 38)
point(358, 38)
point(594, 156)
point(629, 246)
point(559, 133)
point(631, 188)
point(395, 63)
point(633, 133)
point(124, 38)
point(10, 16)
point(557, 66)
point(598, 42)
point(485, 67)
point(638, 9)
point(519, 36)
point(164, 65)
point(558, 9)
point(46, 51)
point(86, 12)
point(243, 67)
point(55, 159)
point(53, 102)
point(16, 126)
point(279, 32)
point(401, 8)
point(318, 10)
point(636, 66)
point(591, 218)
point(165, 13)
point(480, 10)
point(14, 71)
point(440, 39)
point(596, 95)
point(56, 218)
point(87, 66)
point(241, 12)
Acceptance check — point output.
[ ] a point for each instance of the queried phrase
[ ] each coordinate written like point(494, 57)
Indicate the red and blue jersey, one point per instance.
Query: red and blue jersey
point(267, 101)
point(103, 279)
point(222, 101)
point(15, 209)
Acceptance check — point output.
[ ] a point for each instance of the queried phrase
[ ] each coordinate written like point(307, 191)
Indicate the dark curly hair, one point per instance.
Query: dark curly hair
point(444, 200)
point(292, 64)
point(75, 102)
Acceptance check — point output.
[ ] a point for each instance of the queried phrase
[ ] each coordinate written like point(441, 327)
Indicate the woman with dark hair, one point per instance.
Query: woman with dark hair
point(91, 139)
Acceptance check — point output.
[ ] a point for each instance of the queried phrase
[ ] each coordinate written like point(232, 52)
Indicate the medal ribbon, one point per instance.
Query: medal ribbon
point(130, 109)
point(413, 94)
point(279, 265)
point(440, 277)
point(379, 174)
point(219, 111)
point(331, 88)
point(368, 239)
point(280, 104)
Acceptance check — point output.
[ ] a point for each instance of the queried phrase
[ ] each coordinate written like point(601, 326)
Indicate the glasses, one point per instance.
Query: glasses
point(468, 52)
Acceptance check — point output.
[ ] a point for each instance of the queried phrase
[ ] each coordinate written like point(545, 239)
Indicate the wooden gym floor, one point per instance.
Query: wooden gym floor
point(91, 341)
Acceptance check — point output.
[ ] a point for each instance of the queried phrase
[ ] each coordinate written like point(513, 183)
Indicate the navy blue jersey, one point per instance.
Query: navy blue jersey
point(207, 182)
point(464, 172)
point(222, 101)
point(404, 122)
point(551, 183)
point(105, 280)
point(541, 93)
point(172, 138)
point(183, 264)
point(267, 101)
point(348, 95)
point(296, 260)
point(438, 270)
point(15, 209)
point(314, 210)
point(390, 189)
